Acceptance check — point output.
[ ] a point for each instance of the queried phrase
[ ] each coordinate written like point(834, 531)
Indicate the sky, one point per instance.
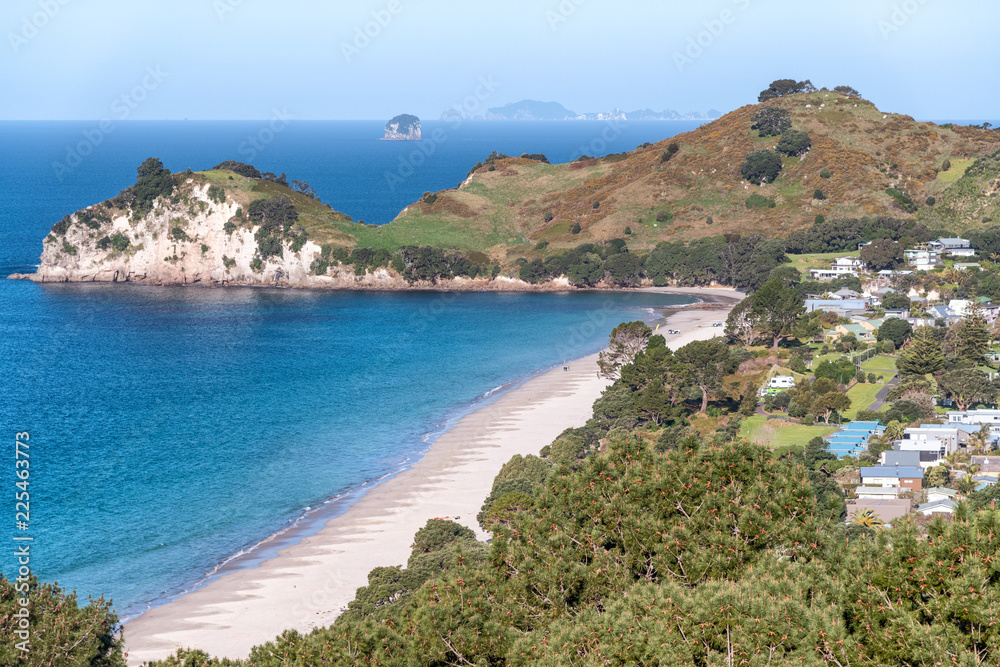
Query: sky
point(373, 59)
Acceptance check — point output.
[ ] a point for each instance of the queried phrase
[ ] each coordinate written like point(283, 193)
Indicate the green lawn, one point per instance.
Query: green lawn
point(784, 433)
point(958, 168)
point(818, 260)
point(862, 395)
point(881, 365)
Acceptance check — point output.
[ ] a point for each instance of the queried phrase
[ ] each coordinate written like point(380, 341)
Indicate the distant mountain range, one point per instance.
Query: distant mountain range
point(535, 110)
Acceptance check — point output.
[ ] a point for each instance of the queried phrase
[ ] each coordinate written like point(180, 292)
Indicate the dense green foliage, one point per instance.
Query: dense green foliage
point(59, 630)
point(770, 121)
point(793, 143)
point(844, 234)
point(903, 200)
point(782, 87)
point(154, 181)
point(761, 167)
point(882, 254)
point(275, 217)
point(239, 168)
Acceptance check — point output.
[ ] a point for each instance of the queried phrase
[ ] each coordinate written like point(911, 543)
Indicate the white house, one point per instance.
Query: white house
point(932, 441)
point(937, 507)
point(936, 493)
point(877, 492)
point(955, 246)
point(842, 266)
point(921, 259)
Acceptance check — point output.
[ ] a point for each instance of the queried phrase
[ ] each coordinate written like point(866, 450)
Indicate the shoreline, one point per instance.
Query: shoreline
point(239, 607)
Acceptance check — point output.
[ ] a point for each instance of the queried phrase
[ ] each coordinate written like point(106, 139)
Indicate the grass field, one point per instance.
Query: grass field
point(862, 395)
point(779, 433)
point(818, 260)
point(958, 168)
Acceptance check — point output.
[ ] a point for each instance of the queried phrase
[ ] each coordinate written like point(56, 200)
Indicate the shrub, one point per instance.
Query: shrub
point(904, 200)
point(68, 248)
point(238, 168)
point(548, 216)
point(628, 231)
point(931, 201)
point(663, 216)
point(177, 233)
point(597, 204)
point(820, 219)
point(204, 249)
point(946, 165)
point(257, 264)
point(671, 151)
point(709, 221)
point(793, 142)
point(429, 198)
point(575, 229)
point(872, 378)
point(438, 534)
point(761, 166)
point(759, 201)
point(825, 173)
point(818, 194)
point(542, 245)
point(771, 121)
point(216, 194)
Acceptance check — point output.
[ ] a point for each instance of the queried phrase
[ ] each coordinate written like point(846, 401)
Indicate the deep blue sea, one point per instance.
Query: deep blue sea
point(174, 427)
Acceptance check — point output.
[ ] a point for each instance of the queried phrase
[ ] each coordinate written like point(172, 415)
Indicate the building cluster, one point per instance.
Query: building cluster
point(890, 489)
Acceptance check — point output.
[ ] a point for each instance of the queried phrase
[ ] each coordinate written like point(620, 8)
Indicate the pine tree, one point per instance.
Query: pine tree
point(922, 356)
point(973, 334)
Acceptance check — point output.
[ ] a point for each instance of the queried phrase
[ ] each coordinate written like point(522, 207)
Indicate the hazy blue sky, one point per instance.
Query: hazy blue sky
point(242, 59)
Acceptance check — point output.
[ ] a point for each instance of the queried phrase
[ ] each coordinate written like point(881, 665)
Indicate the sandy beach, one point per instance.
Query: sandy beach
point(307, 583)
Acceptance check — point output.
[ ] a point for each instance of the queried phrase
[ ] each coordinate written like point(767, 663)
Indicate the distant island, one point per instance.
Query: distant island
point(535, 110)
point(404, 127)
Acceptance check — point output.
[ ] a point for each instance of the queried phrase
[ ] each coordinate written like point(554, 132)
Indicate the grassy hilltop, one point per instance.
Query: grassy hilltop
point(504, 210)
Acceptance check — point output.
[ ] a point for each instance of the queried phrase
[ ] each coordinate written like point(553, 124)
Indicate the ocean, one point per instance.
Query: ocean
point(174, 428)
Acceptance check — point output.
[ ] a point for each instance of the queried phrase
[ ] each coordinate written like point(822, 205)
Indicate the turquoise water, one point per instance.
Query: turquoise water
point(174, 427)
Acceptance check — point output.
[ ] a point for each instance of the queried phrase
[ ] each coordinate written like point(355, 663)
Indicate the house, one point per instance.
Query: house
point(921, 259)
point(839, 306)
point(906, 477)
point(933, 441)
point(976, 418)
point(860, 332)
point(982, 481)
point(872, 325)
point(967, 266)
point(937, 507)
point(941, 493)
point(842, 266)
point(845, 293)
point(877, 492)
point(987, 463)
point(898, 313)
point(954, 246)
point(887, 510)
point(895, 457)
point(960, 307)
point(889, 273)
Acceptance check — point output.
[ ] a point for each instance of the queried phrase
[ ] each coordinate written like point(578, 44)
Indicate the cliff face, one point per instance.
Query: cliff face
point(403, 128)
point(208, 242)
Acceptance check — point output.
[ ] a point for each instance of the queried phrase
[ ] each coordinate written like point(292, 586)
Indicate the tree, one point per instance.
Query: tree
point(626, 341)
point(921, 356)
point(867, 518)
point(966, 387)
point(882, 255)
point(770, 121)
point(831, 402)
point(846, 90)
point(761, 166)
point(895, 330)
point(775, 307)
point(793, 143)
point(438, 534)
point(705, 362)
point(781, 87)
point(740, 325)
point(972, 334)
point(896, 300)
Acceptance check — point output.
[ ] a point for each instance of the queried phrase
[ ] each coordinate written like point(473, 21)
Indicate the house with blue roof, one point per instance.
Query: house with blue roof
point(905, 477)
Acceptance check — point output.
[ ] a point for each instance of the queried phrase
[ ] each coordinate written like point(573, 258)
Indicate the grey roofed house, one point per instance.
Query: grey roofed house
point(886, 510)
point(895, 457)
point(942, 506)
point(987, 463)
point(836, 305)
